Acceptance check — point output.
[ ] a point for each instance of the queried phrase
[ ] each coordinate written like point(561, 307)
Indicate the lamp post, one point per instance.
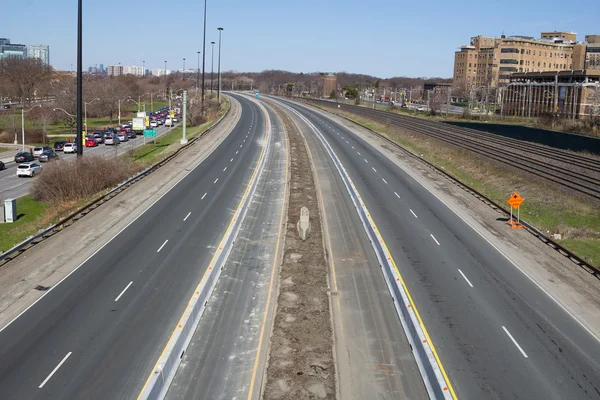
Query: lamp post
point(78, 138)
point(120, 100)
point(144, 69)
point(219, 67)
point(165, 79)
point(183, 70)
point(183, 135)
point(198, 73)
point(73, 117)
point(23, 125)
point(212, 68)
point(203, 54)
point(85, 113)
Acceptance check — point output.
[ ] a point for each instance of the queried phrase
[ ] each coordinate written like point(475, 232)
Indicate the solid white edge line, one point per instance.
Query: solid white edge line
point(55, 369)
point(434, 239)
point(515, 342)
point(216, 180)
point(163, 245)
point(466, 279)
point(187, 216)
point(413, 213)
point(124, 290)
point(118, 233)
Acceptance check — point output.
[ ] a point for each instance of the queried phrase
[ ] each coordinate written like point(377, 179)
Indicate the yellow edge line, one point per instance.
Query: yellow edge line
point(414, 307)
point(207, 270)
point(275, 260)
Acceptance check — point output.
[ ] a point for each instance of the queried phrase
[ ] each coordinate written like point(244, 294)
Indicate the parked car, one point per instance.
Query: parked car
point(420, 108)
point(48, 155)
point(70, 148)
point(112, 139)
point(59, 146)
point(24, 157)
point(2, 166)
point(90, 142)
point(28, 169)
point(39, 150)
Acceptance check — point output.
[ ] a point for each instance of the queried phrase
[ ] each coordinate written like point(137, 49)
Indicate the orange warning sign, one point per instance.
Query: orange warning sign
point(515, 200)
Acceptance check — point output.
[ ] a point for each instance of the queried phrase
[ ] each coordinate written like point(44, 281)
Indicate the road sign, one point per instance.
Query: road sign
point(147, 122)
point(515, 200)
point(257, 95)
point(172, 113)
point(149, 133)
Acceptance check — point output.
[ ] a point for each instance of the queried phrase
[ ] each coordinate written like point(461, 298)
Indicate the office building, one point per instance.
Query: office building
point(41, 51)
point(489, 61)
point(570, 94)
point(116, 70)
point(8, 49)
point(160, 72)
point(329, 84)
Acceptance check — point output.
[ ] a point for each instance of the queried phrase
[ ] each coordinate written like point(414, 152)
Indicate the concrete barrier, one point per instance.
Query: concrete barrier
point(157, 384)
point(431, 371)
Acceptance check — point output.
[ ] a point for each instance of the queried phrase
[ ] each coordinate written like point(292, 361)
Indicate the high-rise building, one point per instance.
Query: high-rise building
point(329, 84)
point(41, 51)
point(489, 61)
point(102, 70)
point(8, 49)
point(116, 70)
point(160, 72)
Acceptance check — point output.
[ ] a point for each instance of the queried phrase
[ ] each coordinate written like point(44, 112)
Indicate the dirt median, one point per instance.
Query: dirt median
point(301, 363)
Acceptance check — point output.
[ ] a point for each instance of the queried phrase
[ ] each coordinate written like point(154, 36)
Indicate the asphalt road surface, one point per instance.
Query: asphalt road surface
point(221, 360)
point(12, 187)
point(498, 335)
point(98, 334)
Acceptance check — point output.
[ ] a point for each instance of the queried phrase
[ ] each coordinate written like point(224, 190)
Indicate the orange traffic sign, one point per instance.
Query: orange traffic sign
point(515, 200)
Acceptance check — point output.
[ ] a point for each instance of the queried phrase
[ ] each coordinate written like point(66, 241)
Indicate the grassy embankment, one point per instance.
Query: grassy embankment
point(549, 209)
point(36, 215)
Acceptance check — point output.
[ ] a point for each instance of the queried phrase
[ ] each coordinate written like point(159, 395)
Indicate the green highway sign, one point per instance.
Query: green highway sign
point(149, 133)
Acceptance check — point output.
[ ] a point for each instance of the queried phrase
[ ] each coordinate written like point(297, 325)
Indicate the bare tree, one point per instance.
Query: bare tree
point(44, 116)
point(24, 75)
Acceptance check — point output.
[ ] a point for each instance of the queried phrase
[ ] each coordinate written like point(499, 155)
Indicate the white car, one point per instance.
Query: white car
point(28, 169)
point(154, 124)
point(70, 148)
point(420, 108)
point(175, 119)
point(39, 150)
point(168, 122)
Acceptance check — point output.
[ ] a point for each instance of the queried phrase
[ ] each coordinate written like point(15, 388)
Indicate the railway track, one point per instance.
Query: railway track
point(575, 172)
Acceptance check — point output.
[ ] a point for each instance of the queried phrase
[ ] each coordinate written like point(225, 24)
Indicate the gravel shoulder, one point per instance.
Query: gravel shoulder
point(572, 287)
point(26, 278)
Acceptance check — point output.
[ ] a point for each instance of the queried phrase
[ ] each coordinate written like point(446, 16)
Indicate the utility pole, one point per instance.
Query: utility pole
point(219, 68)
point(212, 69)
point(203, 54)
point(78, 138)
point(183, 137)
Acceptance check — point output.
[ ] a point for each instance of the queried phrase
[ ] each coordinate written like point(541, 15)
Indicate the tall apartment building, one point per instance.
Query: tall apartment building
point(116, 70)
point(329, 84)
point(490, 61)
point(160, 72)
point(8, 49)
point(41, 51)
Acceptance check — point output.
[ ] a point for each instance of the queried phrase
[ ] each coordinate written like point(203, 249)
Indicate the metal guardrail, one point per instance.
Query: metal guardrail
point(595, 271)
point(72, 218)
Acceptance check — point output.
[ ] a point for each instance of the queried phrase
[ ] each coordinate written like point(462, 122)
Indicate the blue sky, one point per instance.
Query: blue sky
point(385, 38)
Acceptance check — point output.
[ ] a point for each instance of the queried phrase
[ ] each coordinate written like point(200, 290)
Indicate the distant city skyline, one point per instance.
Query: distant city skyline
point(392, 39)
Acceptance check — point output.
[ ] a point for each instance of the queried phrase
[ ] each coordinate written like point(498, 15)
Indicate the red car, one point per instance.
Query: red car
point(90, 142)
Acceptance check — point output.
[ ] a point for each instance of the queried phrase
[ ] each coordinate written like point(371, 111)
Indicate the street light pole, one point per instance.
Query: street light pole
point(203, 54)
point(23, 125)
point(85, 113)
point(79, 80)
point(212, 68)
point(198, 73)
point(183, 135)
point(219, 68)
point(183, 71)
point(120, 109)
point(144, 69)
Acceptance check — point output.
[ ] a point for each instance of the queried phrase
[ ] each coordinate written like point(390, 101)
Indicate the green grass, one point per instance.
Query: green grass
point(30, 214)
point(535, 210)
point(4, 149)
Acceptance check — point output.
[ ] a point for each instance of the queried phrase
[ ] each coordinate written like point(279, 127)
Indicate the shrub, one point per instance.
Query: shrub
point(63, 181)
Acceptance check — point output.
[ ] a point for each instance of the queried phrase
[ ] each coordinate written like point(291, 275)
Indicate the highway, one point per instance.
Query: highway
point(497, 334)
point(98, 334)
point(13, 187)
point(227, 354)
